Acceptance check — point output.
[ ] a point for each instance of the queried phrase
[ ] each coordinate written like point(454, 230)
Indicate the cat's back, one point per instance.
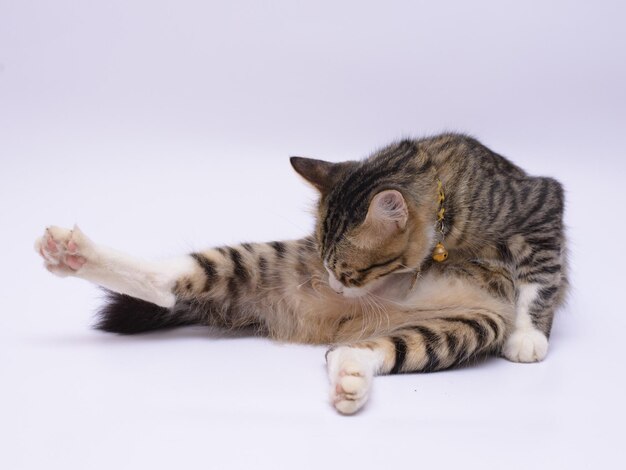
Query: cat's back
point(463, 154)
point(487, 193)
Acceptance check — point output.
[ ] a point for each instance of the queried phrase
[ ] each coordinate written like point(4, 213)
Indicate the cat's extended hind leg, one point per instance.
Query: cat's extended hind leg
point(69, 252)
point(231, 287)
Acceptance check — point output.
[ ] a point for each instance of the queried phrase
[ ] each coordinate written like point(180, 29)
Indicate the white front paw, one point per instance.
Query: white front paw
point(351, 371)
point(527, 345)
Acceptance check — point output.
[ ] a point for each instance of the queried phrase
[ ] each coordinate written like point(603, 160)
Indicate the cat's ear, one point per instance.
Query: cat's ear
point(317, 172)
point(388, 211)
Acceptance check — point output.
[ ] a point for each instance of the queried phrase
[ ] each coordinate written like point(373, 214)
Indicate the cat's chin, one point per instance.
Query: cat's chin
point(354, 292)
point(375, 287)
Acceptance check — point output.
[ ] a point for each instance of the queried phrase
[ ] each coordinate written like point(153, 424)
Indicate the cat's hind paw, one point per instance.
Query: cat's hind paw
point(351, 390)
point(351, 371)
point(63, 250)
point(527, 345)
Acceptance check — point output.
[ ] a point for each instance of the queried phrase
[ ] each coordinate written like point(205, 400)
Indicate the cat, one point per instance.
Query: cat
point(367, 282)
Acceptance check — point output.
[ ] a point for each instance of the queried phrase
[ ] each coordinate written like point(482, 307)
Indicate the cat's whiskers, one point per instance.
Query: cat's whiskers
point(310, 279)
point(381, 309)
point(368, 308)
point(365, 314)
point(372, 312)
point(353, 312)
point(386, 300)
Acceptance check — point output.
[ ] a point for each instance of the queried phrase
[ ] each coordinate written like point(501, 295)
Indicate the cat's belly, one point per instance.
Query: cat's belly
point(434, 295)
point(326, 317)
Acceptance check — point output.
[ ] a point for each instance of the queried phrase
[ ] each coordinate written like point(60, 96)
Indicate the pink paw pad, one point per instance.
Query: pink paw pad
point(75, 262)
point(51, 246)
point(60, 250)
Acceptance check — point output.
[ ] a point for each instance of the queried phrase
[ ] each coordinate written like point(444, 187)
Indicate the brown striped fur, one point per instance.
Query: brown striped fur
point(365, 280)
point(502, 228)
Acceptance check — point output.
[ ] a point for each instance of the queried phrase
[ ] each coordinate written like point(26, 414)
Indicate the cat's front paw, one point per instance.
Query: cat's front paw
point(351, 371)
point(527, 345)
point(64, 251)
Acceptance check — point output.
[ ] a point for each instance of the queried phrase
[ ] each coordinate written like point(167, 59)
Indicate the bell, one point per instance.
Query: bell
point(440, 254)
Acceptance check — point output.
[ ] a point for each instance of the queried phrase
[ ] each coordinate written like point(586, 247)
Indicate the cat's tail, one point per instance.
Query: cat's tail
point(128, 315)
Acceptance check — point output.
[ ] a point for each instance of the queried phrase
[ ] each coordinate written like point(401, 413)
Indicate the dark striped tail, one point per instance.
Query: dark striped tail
point(128, 315)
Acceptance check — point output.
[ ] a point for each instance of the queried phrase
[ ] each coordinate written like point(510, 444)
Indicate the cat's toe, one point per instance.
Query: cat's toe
point(527, 345)
point(351, 390)
point(51, 245)
point(351, 371)
point(348, 406)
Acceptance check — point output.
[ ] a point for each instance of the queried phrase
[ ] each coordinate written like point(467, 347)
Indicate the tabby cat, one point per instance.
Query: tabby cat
point(366, 282)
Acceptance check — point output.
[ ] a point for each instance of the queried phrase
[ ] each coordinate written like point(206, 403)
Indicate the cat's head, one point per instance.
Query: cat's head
point(375, 218)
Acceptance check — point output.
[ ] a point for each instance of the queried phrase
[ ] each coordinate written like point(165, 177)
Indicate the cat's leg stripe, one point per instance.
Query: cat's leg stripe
point(248, 247)
point(263, 271)
point(493, 325)
point(453, 344)
point(479, 330)
point(280, 248)
point(431, 340)
point(240, 272)
point(208, 267)
point(400, 351)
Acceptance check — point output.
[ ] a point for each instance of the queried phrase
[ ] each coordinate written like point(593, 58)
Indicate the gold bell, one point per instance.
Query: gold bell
point(440, 254)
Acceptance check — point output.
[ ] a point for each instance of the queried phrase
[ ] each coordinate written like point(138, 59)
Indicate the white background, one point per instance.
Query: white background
point(165, 126)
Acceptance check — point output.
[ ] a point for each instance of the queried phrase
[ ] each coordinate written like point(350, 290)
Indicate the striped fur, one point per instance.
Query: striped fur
point(496, 293)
